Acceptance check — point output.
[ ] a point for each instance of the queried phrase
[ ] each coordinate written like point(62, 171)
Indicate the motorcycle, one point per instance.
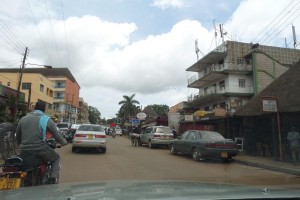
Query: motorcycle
point(26, 170)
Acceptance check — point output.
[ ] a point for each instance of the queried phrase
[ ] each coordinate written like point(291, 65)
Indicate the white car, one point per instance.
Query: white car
point(89, 136)
point(118, 131)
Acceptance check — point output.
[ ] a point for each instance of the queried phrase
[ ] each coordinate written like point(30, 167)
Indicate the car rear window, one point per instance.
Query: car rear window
point(163, 130)
point(90, 128)
point(208, 135)
point(62, 125)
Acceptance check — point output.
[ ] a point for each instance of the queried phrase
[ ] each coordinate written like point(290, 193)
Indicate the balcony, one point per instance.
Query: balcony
point(217, 94)
point(216, 72)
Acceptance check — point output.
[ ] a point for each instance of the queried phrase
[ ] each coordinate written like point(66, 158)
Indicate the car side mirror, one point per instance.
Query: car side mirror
point(179, 137)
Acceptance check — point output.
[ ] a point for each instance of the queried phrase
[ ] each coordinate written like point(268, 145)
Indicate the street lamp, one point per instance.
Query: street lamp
point(20, 81)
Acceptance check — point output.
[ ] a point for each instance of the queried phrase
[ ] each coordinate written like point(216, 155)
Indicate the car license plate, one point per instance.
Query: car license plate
point(90, 136)
point(224, 154)
point(9, 183)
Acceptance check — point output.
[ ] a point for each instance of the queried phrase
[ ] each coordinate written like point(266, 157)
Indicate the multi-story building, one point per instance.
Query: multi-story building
point(227, 77)
point(83, 112)
point(56, 86)
point(34, 85)
point(65, 95)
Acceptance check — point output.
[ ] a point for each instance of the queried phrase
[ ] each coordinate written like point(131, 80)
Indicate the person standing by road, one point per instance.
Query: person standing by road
point(294, 142)
point(31, 136)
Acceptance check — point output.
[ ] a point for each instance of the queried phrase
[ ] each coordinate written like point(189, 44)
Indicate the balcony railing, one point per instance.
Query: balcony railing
point(59, 86)
point(219, 68)
point(222, 90)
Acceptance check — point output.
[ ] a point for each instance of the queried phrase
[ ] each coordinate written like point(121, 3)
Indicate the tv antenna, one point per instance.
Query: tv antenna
point(197, 50)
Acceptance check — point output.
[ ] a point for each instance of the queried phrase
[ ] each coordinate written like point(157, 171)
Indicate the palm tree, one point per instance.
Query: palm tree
point(128, 105)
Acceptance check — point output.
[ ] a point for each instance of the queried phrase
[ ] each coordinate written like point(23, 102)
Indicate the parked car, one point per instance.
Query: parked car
point(89, 136)
point(156, 136)
point(64, 126)
point(204, 144)
point(118, 131)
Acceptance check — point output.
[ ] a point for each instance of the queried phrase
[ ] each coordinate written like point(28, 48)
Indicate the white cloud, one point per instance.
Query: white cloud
point(107, 65)
point(164, 4)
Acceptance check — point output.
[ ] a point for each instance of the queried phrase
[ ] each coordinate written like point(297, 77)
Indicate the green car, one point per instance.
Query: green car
point(204, 144)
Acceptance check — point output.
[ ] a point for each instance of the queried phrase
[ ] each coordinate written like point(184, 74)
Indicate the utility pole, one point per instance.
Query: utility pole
point(19, 84)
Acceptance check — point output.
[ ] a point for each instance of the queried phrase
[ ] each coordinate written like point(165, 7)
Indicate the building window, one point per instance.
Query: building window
point(8, 84)
point(240, 61)
point(41, 88)
point(242, 83)
point(222, 85)
point(205, 91)
point(26, 86)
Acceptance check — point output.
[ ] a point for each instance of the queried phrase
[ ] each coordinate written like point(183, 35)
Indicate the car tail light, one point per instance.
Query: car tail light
point(157, 136)
point(100, 136)
point(79, 135)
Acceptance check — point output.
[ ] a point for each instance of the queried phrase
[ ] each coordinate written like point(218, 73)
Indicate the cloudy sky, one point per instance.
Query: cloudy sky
point(143, 47)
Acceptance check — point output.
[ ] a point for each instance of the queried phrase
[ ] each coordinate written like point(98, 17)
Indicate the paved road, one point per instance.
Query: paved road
point(124, 162)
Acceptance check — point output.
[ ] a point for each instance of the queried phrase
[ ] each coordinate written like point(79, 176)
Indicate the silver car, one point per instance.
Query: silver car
point(89, 136)
point(156, 136)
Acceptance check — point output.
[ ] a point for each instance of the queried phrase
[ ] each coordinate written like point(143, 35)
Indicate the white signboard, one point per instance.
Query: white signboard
point(141, 115)
point(269, 105)
point(188, 118)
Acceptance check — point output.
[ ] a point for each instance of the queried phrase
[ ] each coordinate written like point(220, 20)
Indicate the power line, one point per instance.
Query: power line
point(278, 25)
point(9, 43)
point(62, 8)
point(283, 29)
point(18, 41)
point(39, 31)
point(271, 22)
point(52, 32)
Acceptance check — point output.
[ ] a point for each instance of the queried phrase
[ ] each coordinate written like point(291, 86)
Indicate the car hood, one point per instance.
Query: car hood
point(147, 190)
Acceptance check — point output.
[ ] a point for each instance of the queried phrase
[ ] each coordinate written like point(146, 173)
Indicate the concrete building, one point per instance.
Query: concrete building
point(83, 112)
point(34, 85)
point(56, 86)
point(230, 75)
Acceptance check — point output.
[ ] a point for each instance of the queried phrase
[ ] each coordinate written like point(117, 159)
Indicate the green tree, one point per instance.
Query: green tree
point(160, 109)
point(94, 115)
point(128, 107)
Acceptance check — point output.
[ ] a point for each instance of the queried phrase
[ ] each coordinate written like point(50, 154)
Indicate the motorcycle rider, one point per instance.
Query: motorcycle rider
point(31, 137)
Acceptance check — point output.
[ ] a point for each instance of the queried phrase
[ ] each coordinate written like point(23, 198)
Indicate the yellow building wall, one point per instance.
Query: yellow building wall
point(11, 80)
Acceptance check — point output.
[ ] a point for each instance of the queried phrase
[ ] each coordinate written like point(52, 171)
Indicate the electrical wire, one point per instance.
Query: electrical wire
point(39, 32)
point(13, 36)
point(271, 23)
point(67, 44)
point(9, 42)
point(52, 32)
point(268, 41)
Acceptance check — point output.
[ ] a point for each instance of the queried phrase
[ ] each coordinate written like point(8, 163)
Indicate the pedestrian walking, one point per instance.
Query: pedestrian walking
point(174, 132)
point(294, 142)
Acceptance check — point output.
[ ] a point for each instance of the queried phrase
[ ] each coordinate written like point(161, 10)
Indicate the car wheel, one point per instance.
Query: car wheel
point(150, 145)
point(103, 150)
point(196, 155)
point(173, 150)
point(74, 149)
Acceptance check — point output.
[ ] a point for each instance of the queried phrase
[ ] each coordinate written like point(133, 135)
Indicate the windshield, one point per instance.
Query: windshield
point(151, 90)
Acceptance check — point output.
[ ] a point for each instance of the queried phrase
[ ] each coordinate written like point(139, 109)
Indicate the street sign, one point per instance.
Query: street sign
point(134, 121)
point(269, 105)
point(141, 115)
